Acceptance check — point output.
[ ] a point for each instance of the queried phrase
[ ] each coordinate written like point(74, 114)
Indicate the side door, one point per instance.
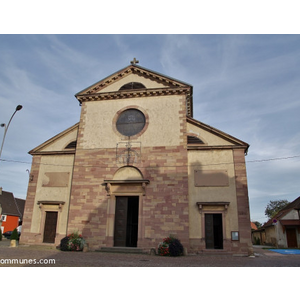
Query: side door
point(50, 227)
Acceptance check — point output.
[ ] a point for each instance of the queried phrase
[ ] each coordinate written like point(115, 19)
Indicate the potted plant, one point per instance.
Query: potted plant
point(170, 246)
point(14, 238)
point(73, 242)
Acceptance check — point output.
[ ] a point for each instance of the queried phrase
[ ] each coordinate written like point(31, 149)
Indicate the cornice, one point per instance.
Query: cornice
point(222, 147)
point(133, 94)
point(57, 152)
point(125, 94)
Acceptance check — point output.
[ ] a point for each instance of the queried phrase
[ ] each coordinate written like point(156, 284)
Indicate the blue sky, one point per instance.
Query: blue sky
point(245, 85)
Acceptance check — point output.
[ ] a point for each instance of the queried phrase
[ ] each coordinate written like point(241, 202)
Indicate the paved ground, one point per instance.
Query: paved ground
point(24, 256)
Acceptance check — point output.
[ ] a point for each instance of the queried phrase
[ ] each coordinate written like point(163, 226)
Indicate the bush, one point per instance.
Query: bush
point(64, 244)
point(170, 247)
point(176, 248)
point(72, 242)
point(14, 235)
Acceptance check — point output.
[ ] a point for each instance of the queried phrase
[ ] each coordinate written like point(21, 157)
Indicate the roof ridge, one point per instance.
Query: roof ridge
point(125, 71)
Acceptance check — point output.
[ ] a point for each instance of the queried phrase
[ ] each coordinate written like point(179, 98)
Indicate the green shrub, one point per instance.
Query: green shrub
point(14, 235)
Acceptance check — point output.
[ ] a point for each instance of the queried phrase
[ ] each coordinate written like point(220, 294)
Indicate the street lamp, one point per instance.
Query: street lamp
point(19, 107)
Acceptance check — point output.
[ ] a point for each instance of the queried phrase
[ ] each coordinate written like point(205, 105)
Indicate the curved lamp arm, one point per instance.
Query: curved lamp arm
point(19, 107)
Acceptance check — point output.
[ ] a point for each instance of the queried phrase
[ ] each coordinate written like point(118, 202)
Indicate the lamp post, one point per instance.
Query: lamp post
point(19, 107)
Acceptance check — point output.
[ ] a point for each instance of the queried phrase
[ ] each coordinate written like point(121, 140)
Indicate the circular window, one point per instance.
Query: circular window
point(130, 122)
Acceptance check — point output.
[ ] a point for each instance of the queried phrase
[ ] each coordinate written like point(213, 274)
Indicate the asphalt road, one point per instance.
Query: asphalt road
point(34, 256)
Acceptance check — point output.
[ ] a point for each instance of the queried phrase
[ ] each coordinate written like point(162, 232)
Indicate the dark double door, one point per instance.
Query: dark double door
point(126, 222)
point(213, 231)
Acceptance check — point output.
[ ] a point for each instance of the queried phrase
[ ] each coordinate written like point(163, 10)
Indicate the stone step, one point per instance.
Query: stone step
point(122, 250)
point(214, 252)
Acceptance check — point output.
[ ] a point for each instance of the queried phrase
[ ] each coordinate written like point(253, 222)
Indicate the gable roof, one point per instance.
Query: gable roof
point(8, 204)
point(293, 205)
point(236, 142)
point(170, 86)
point(39, 149)
point(21, 205)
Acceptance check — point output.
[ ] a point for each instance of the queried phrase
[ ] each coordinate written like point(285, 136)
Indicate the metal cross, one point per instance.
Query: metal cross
point(134, 61)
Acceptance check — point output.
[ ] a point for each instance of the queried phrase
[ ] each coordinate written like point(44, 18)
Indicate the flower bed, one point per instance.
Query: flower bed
point(170, 247)
point(72, 242)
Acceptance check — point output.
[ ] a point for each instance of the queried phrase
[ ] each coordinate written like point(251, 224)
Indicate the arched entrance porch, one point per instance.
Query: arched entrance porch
point(125, 222)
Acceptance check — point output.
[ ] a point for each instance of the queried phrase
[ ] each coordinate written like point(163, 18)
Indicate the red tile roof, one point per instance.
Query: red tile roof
point(253, 226)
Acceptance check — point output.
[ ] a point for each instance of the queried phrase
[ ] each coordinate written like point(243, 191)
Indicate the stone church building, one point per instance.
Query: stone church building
point(137, 168)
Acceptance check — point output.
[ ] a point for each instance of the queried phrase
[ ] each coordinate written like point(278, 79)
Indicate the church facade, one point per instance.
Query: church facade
point(138, 167)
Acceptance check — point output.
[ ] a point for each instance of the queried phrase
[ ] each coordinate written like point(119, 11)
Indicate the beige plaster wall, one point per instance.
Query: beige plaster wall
point(62, 142)
point(99, 127)
point(52, 163)
point(271, 238)
point(292, 215)
point(206, 136)
point(212, 160)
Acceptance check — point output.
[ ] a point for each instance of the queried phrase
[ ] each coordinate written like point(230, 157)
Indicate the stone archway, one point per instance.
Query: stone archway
point(126, 191)
point(128, 173)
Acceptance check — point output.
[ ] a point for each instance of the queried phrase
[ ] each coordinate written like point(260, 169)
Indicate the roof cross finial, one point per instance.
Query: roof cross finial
point(134, 61)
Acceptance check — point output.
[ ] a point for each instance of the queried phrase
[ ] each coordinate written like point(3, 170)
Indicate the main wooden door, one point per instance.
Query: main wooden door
point(291, 237)
point(126, 222)
point(50, 227)
point(213, 231)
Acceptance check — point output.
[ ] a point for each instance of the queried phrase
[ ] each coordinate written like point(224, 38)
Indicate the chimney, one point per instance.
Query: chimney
point(0, 191)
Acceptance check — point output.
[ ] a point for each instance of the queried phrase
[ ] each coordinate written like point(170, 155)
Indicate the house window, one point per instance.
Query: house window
point(3, 218)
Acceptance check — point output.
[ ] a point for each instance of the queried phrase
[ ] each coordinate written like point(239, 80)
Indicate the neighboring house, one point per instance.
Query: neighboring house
point(283, 230)
point(137, 168)
point(11, 213)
